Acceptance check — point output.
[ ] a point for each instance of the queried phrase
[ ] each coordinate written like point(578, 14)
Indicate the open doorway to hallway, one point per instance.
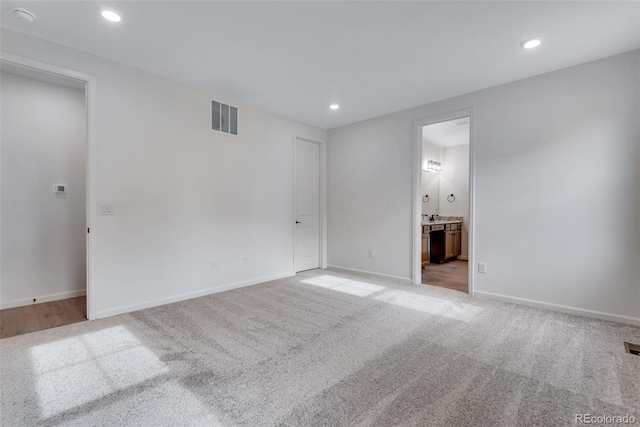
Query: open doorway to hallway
point(43, 197)
point(445, 204)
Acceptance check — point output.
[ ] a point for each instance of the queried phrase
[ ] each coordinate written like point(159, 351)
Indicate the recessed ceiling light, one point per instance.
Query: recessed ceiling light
point(531, 43)
point(111, 16)
point(334, 106)
point(24, 15)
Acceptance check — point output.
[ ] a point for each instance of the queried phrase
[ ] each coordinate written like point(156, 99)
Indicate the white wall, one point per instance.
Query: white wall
point(557, 164)
point(454, 179)
point(43, 234)
point(184, 196)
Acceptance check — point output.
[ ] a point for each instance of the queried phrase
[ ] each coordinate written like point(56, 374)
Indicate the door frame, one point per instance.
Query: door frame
point(416, 224)
point(323, 198)
point(90, 96)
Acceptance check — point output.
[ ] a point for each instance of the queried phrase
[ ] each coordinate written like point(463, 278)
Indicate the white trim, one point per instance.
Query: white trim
point(463, 257)
point(42, 66)
point(92, 220)
point(191, 295)
point(323, 205)
point(416, 224)
point(563, 309)
point(471, 241)
point(369, 273)
point(90, 93)
point(323, 198)
point(42, 298)
point(416, 220)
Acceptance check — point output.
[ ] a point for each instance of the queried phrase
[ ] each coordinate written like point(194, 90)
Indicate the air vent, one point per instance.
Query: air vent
point(224, 118)
point(632, 348)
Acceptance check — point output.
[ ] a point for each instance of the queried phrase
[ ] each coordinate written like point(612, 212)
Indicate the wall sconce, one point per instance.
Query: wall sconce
point(433, 166)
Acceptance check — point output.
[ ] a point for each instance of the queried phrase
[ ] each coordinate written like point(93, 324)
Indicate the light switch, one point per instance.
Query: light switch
point(107, 210)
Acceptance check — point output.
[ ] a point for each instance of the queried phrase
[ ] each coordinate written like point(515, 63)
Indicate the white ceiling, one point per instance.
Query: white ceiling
point(373, 58)
point(447, 134)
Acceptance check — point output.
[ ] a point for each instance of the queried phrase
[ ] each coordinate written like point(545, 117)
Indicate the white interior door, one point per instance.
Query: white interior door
point(307, 209)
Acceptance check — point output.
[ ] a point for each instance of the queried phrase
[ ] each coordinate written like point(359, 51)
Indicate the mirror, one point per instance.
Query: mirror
point(430, 179)
point(445, 168)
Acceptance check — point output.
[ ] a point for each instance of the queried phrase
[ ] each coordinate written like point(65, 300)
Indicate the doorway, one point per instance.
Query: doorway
point(309, 208)
point(47, 189)
point(444, 207)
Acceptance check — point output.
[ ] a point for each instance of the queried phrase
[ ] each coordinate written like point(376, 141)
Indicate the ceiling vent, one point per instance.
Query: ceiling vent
point(224, 118)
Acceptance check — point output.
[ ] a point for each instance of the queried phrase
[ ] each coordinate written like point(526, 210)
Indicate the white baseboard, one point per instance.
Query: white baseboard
point(564, 309)
point(189, 295)
point(463, 257)
point(371, 273)
point(42, 298)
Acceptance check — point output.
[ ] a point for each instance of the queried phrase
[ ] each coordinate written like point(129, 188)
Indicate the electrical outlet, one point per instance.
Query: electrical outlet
point(213, 265)
point(482, 267)
point(372, 254)
point(245, 261)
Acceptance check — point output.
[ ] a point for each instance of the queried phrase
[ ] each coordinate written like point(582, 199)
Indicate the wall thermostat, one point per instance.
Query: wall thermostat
point(60, 188)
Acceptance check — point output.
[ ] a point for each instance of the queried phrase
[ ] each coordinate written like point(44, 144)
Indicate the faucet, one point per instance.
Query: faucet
point(433, 217)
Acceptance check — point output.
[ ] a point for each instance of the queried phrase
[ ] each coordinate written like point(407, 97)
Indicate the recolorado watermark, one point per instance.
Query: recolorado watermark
point(605, 419)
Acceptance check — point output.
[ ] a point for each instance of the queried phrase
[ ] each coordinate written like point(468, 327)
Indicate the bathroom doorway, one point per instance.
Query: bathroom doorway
point(445, 204)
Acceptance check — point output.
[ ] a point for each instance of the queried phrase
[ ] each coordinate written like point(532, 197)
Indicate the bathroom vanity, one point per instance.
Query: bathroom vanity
point(441, 239)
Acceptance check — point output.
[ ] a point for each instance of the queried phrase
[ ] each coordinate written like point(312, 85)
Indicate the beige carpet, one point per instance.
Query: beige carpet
point(323, 349)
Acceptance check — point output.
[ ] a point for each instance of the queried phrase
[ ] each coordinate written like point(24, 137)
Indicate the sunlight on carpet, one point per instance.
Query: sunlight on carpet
point(351, 287)
point(430, 305)
point(439, 307)
point(74, 371)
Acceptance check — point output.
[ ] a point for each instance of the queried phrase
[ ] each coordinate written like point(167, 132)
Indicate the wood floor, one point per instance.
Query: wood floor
point(36, 317)
point(451, 275)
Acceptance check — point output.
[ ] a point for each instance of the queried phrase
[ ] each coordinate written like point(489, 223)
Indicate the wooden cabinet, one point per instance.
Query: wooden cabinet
point(426, 247)
point(441, 242)
point(449, 244)
point(453, 240)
